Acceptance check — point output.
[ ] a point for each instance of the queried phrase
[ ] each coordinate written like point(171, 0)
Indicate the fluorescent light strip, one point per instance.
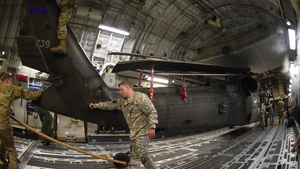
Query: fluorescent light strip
point(114, 30)
point(158, 80)
point(292, 38)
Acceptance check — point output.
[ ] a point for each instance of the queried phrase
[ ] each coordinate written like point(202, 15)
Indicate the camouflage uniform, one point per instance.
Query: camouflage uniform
point(140, 115)
point(281, 106)
point(2, 155)
point(262, 116)
point(66, 10)
point(9, 93)
point(271, 113)
point(46, 119)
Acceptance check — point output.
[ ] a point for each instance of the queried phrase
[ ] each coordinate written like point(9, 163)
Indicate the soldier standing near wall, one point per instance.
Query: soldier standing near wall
point(66, 9)
point(9, 93)
point(141, 117)
point(2, 149)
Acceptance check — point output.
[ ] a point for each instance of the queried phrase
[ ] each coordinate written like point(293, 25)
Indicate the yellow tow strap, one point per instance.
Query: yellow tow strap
point(100, 156)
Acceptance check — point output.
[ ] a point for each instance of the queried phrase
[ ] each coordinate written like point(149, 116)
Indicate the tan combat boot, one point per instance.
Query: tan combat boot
point(61, 48)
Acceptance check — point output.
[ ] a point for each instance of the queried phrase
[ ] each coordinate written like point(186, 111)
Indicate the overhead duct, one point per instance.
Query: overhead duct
point(296, 6)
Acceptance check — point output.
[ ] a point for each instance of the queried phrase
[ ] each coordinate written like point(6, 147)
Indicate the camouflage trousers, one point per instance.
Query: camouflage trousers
point(46, 120)
point(2, 155)
point(64, 18)
point(262, 120)
point(139, 153)
point(280, 117)
point(8, 144)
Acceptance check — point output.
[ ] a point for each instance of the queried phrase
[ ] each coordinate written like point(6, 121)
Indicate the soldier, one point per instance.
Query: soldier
point(9, 93)
point(271, 112)
point(281, 107)
point(141, 117)
point(262, 115)
point(66, 9)
point(46, 120)
point(4, 162)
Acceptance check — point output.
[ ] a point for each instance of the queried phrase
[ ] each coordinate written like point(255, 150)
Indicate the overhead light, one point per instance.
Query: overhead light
point(288, 23)
point(114, 30)
point(292, 39)
point(3, 52)
point(158, 80)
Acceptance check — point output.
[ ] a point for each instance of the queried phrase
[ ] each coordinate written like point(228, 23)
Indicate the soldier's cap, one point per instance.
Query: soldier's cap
point(5, 75)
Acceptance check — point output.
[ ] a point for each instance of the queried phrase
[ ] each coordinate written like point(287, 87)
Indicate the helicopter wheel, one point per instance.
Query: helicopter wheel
point(121, 157)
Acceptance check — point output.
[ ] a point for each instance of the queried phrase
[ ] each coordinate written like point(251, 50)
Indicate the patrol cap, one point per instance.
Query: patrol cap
point(5, 75)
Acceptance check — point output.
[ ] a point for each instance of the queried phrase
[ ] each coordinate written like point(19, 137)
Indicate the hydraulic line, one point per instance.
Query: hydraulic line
point(99, 156)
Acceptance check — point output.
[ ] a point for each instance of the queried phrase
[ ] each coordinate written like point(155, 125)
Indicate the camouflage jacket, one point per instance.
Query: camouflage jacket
point(139, 112)
point(9, 93)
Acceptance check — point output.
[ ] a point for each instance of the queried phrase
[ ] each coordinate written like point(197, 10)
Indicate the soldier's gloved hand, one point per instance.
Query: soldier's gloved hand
point(92, 105)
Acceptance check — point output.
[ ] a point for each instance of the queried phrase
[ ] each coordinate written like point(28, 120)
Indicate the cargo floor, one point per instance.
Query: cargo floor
point(239, 148)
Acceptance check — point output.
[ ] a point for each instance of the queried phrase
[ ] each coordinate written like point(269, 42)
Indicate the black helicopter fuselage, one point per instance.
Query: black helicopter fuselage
point(75, 84)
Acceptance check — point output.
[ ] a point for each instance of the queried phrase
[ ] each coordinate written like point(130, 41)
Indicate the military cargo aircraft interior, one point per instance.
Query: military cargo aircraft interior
point(215, 82)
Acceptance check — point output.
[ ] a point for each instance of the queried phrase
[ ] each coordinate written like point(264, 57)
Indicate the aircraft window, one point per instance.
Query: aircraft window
point(35, 83)
point(108, 42)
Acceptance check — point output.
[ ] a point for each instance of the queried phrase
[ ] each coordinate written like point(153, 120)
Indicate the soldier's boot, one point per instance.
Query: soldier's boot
point(61, 48)
point(4, 161)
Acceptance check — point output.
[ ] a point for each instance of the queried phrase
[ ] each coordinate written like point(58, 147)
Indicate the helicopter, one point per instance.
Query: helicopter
point(75, 83)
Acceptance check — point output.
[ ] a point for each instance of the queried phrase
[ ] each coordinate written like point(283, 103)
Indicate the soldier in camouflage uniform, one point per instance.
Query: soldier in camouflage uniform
point(281, 107)
point(141, 117)
point(66, 9)
point(2, 149)
point(46, 120)
point(9, 93)
point(262, 115)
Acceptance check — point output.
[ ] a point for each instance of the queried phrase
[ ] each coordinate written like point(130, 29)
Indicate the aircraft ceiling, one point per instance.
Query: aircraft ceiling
point(243, 33)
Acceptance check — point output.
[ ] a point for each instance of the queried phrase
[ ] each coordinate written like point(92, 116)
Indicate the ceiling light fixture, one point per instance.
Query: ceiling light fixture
point(292, 39)
point(114, 30)
point(158, 80)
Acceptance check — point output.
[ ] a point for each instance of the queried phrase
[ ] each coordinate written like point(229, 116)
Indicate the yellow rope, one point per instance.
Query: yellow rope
point(101, 156)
